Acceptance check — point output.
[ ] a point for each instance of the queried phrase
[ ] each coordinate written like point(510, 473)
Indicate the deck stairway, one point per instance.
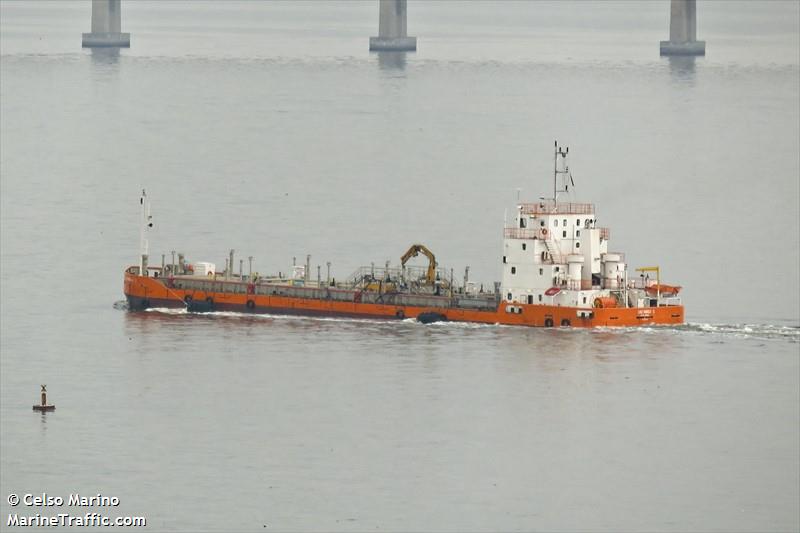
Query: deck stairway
point(553, 251)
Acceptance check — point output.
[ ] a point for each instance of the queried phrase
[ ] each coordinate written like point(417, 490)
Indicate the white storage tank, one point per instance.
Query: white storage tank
point(613, 270)
point(202, 268)
point(574, 271)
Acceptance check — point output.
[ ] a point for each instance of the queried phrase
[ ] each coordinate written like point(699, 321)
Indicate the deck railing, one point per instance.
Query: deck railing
point(548, 207)
point(521, 233)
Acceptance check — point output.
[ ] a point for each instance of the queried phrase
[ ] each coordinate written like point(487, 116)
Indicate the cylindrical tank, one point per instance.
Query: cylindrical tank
point(574, 271)
point(611, 269)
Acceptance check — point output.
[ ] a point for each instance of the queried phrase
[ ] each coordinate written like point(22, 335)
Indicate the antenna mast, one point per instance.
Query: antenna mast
point(558, 151)
point(144, 224)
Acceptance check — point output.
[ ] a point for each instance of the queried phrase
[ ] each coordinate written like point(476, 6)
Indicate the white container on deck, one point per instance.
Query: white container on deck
point(202, 268)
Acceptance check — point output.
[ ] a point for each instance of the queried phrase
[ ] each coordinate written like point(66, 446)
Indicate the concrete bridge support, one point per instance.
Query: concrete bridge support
point(392, 33)
point(106, 26)
point(683, 31)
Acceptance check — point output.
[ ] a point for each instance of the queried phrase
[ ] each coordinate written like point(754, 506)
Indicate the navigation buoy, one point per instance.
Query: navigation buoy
point(44, 407)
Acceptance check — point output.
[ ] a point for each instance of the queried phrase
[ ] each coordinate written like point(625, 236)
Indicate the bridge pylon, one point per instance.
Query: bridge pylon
point(106, 26)
point(683, 31)
point(392, 31)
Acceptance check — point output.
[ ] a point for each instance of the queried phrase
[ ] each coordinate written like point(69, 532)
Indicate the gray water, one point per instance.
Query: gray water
point(269, 128)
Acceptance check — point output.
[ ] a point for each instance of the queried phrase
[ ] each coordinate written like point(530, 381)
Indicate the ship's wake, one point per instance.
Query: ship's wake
point(790, 333)
point(741, 331)
point(769, 331)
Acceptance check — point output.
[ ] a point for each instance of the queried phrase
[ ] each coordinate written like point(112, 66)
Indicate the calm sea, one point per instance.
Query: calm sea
point(269, 128)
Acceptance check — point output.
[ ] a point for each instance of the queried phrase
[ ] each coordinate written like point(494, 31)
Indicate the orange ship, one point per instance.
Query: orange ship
point(557, 271)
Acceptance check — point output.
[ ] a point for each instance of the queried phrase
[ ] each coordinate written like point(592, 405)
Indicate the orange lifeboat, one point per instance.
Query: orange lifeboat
point(664, 290)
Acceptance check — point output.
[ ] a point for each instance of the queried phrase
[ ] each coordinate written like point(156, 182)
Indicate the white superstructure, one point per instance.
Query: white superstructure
point(554, 254)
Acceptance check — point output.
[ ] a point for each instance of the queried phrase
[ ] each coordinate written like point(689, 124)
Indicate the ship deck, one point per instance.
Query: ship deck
point(375, 291)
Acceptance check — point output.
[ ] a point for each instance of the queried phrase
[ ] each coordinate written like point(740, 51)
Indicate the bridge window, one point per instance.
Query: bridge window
point(513, 270)
point(524, 246)
point(504, 259)
point(556, 269)
point(541, 223)
point(530, 298)
point(540, 297)
point(522, 222)
point(565, 222)
point(509, 296)
point(555, 222)
point(578, 233)
point(541, 271)
point(577, 245)
point(578, 222)
point(584, 299)
point(564, 233)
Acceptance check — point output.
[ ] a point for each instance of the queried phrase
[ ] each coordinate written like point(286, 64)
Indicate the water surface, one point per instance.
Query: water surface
point(269, 128)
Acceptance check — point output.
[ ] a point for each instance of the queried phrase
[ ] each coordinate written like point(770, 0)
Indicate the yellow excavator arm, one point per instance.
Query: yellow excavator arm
point(414, 251)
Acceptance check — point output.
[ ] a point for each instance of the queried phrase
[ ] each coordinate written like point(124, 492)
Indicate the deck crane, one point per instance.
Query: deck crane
point(415, 250)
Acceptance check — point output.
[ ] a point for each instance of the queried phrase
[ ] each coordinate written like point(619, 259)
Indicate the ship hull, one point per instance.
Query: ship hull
point(147, 292)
